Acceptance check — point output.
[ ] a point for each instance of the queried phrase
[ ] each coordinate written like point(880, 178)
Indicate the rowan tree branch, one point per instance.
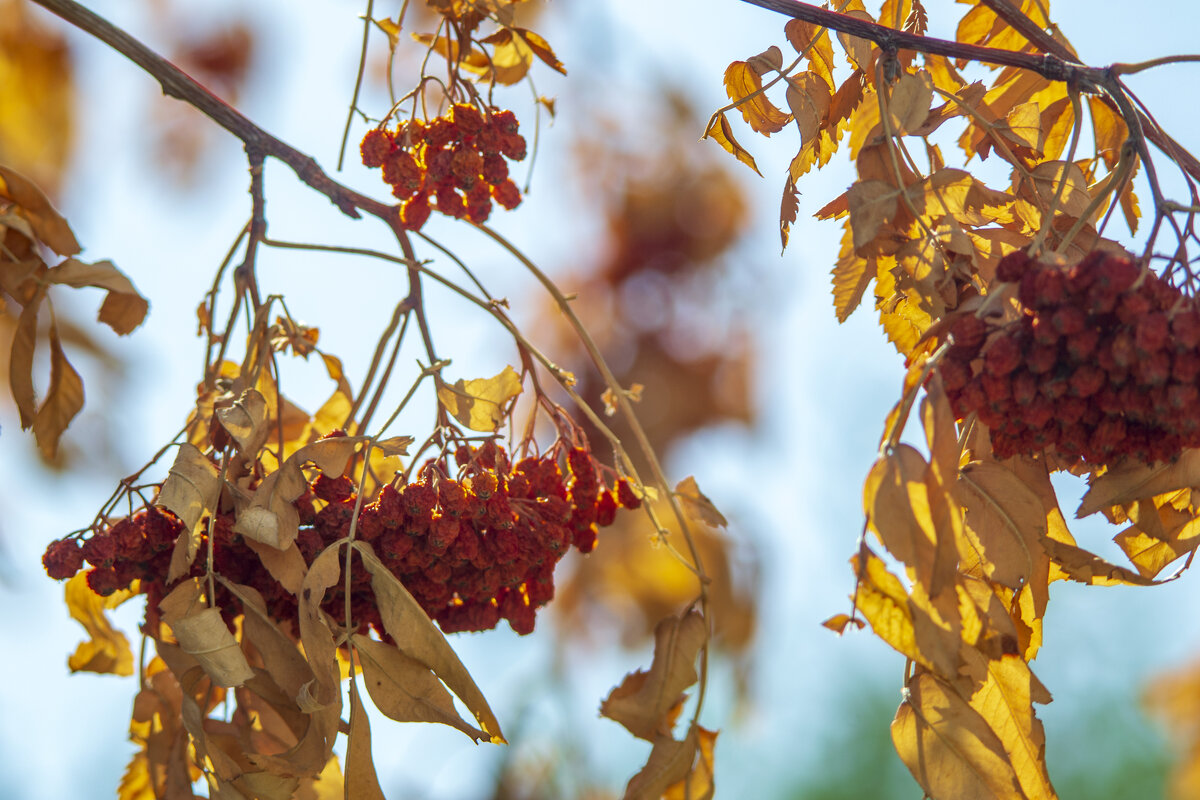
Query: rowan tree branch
point(178, 84)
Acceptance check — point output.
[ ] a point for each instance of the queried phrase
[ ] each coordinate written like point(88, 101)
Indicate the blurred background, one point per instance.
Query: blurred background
point(673, 248)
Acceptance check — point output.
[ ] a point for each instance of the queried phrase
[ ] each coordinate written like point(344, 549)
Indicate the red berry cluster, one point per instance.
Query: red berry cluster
point(455, 163)
point(1103, 363)
point(472, 550)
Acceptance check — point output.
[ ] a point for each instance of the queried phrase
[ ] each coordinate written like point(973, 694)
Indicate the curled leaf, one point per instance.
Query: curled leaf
point(204, 636)
point(481, 404)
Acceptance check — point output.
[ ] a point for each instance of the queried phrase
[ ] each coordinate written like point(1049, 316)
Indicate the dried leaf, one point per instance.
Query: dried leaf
point(394, 445)
point(948, 747)
point(699, 783)
point(123, 308)
point(271, 518)
point(788, 210)
point(20, 359)
point(644, 700)
point(283, 661)
point(838, 623)
point(541, 49)
point(744, 87)
point(361, 781)
point(809, 97)
point(49, 226)
point(204, 636)
point(670, 763)
point(697, 505)
point(315, 632)
point(64, 398)
point(871, 203)
point(247, 422)
point(107, 652)
point(416, 635)
point(481, 404)
point(191, 486)
point(858, 51)
point(719, 130)
point(1006, 518)
point(406, 690)
point(1132, 480)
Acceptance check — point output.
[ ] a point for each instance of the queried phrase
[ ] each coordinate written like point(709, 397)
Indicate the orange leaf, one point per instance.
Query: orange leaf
point(744, 86)
point(718, 129)
point(48, 225)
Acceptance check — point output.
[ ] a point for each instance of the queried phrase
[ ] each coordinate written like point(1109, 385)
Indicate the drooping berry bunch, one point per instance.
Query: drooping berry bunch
point(1103, 363)
point(472, 550)
point(455, 163)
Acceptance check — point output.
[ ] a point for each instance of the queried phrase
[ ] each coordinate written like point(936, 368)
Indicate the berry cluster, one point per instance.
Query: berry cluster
point(455, 163)
point(472, 550)
point(1103, 363)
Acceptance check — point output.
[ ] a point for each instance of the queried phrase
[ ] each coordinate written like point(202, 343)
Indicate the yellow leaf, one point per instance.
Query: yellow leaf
point(315, 633)
point(541, 49)
point(1005, 697)
point(644, 701)
point(948, 747)
point(699, 783)
point(719, 130)
point(838, 623)
point(108, 649)
point(416, 635)
point(813, 40)
point(48, 225)
point(360, 781)
point(64, 398)
point(481, 404)
point(38, 103)
point(744, 86)
point(406, 690)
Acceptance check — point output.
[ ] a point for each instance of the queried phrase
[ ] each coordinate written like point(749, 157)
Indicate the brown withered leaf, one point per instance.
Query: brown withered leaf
point(948, 747)
point(394, 445)
point(1078, 564)
point(1005, 517)
point(482, 403)
point(670, 763)
point(744, 86)
point(644, 700)
point(280, 657)
point(271, 518)
point(20, 359)
point(699, 783)
point(908, 105)
point(871, 204)
point(417, 636)
point(809, 98)
point(246, 421)
point(315, 633)
point(123, 308)
point(191, 486)
point(788, 209)
point(63, 400)
point(697, 505)
point(851, 277)
point(769, 60)
point(107, 652)
point(406, 690)
point(286, 566)
point(48, 225)
point(204, 636)
point(896, 502)
point(361, 780)
point(1131, 480)
point(858, 51)
point(719, 130)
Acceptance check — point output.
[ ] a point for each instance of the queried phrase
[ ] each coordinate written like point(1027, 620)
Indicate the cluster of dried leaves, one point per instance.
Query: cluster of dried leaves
point(973, 541)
